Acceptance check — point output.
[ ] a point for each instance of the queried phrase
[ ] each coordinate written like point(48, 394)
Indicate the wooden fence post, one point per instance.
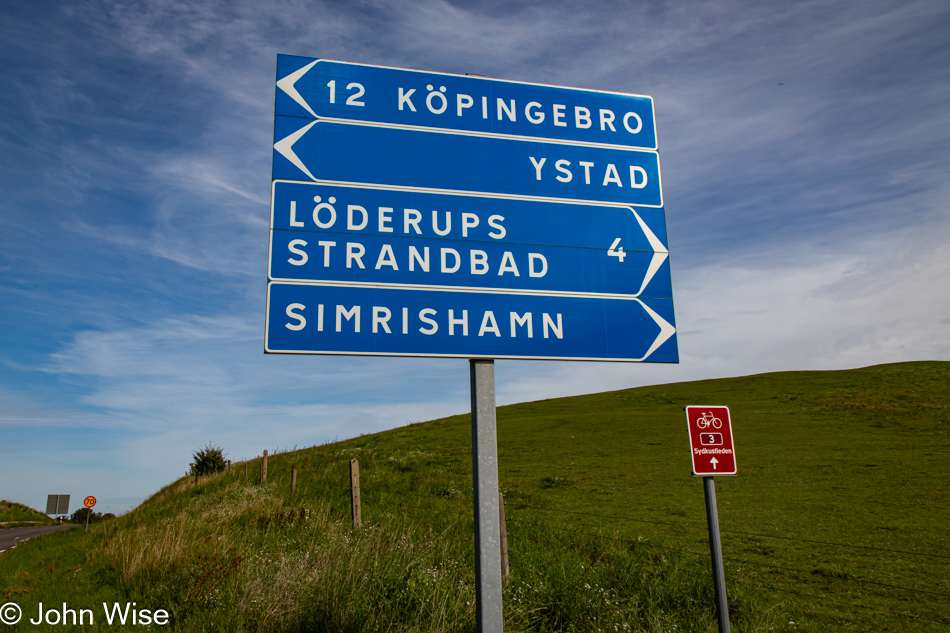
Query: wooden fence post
point(355, 492)
point(264, 467)
point(229, 466)
point(245, 470)
point(503, 529)
point(293, 481)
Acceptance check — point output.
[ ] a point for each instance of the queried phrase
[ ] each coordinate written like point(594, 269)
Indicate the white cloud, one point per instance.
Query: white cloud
point(211, 373)
point(884, 300)
point(19, 410)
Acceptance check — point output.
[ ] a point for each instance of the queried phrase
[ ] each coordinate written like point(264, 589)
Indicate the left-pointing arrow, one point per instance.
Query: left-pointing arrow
point(354, 153)
point(285, 147)
point(287, 85)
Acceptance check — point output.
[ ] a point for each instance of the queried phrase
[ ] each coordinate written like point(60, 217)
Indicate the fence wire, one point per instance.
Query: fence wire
point(735, 532)
point(438, 502)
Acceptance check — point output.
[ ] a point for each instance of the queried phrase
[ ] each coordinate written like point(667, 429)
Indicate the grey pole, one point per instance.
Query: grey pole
point(715, 548)
point(488, 609)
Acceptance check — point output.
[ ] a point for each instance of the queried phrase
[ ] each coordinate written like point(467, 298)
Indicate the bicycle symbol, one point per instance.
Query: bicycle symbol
point(708, 418)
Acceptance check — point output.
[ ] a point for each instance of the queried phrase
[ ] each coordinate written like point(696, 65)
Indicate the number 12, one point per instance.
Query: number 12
point(353, 99)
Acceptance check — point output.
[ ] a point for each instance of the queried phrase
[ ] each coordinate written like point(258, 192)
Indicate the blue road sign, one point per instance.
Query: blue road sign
point(312, 319)
point(339, 152)
point(319, 88)
point(427, 214)
point(371, 236)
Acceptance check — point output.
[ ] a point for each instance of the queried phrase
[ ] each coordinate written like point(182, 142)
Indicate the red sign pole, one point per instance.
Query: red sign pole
point(713, 454)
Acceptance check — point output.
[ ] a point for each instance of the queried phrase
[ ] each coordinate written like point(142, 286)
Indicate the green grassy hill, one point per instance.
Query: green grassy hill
point(14, 514)
point(837, 520)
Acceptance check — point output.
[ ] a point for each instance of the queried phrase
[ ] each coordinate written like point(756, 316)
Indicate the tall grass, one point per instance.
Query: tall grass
point(240, 554)
point(226, 551)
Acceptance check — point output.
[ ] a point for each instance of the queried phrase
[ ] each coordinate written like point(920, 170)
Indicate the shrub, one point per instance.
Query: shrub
point(79, 516)
point(208, 460)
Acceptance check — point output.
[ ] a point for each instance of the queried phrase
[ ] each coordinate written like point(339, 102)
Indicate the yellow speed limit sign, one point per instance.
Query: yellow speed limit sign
point(89, 501)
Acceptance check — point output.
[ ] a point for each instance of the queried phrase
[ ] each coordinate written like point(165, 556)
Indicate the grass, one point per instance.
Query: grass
point(837, 520)
point(14, 514)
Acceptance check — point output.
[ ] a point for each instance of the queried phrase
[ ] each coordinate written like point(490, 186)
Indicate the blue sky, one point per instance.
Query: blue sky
point(805, 150)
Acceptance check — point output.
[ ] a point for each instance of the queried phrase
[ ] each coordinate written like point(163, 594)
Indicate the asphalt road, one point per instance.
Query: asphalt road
point(10, 537)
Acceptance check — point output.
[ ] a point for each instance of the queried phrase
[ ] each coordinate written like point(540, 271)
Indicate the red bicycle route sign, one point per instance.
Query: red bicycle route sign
point(710, 441)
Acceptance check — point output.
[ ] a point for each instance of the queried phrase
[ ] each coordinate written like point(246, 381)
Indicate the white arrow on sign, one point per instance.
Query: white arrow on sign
point(286, 148)
point(659, 252)
point(287, 85)
point(666, 330)
point(714, 461)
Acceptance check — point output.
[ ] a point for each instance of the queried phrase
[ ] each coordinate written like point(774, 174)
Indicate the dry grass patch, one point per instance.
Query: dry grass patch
point(240, 554)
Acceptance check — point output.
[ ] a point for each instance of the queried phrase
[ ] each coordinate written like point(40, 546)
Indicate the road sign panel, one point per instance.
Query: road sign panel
point(342, 152)
point(558, 249)
point(360, 235)
point(305, 318)
point(319, 88)
point(57, 504)
point(710, 438)
point(89, 501)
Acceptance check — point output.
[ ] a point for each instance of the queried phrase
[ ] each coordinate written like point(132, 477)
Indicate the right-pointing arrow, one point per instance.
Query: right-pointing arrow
point(666, 330)
point(660, 253)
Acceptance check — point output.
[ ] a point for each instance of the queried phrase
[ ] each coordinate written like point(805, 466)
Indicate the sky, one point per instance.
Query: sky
point(805, 151)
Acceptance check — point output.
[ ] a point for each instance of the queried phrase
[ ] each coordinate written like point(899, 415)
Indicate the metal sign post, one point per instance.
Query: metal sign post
point(713, 454)
point(488, 587)
point(90, 503)
point(715, 548)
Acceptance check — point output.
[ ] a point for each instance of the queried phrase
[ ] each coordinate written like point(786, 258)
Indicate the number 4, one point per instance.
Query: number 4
point(616, 252)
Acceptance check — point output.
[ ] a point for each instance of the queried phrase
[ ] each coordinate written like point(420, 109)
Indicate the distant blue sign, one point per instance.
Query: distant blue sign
point(319, 88)
point(312, 319)
point(358, 235)
point(330, 151)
